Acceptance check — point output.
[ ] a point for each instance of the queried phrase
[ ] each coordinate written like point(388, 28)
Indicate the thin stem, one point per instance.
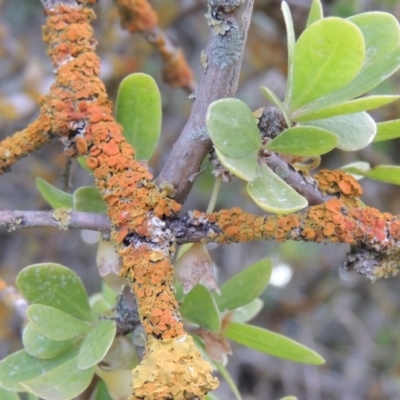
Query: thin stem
point(214, 195)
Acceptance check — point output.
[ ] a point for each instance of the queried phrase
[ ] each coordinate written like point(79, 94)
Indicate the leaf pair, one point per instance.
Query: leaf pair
point(63, 340)
point(237, 142)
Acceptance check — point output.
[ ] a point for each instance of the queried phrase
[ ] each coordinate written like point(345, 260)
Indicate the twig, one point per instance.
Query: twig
point(139, 16)
point(224, 52)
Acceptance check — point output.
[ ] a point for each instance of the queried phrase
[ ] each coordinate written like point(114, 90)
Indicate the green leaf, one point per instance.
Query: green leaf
point(248, 311)
point(138, 110)
point(102, 392)
point(228, 379)
point(40, 346)
point(7, 395)
point(348, 107)
point(289, 398)
point(63, 382)
point(96, 344)
point(355, 131)
point(273, 194)
point(381, 32)
point(200, 307)
point(82, 163)
point(233, 128)
point(387, 130)
point(20, 366)
point(57, 286)
point(382, 173)
point(316, 13)
point(244, 167)
point(88, 199)
point(304, 141)
point(291, 43)
point(322, 64)
point(274, 99)
point(56, 324)
point(245, 286)
point(357, 165)
point(271, 343)
point(55, 197)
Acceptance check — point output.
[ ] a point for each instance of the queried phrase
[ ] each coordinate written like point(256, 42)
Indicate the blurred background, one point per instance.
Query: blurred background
point(353, 324)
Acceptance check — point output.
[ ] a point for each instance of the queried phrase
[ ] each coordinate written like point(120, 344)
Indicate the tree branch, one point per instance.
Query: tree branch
point(224, 52)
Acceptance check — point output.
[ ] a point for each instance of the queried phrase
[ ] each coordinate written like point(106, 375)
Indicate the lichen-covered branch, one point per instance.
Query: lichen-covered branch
point(222, 62)
point(139, 16)
point(136, 206)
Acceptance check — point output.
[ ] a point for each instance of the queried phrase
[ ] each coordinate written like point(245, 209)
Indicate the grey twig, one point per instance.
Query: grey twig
point(222, 62)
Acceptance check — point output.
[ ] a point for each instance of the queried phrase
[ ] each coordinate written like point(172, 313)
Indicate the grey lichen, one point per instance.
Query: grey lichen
point(199, 133)
point(227, 50)
point(218, 25)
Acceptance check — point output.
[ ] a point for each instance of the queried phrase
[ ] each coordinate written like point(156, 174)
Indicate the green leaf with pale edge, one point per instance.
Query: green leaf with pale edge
point(61, 383)
point(40, 346)
point(381, 32)
point(245, 286)
point(271, 343)
point(212, 396)
point(7, 395)
point(56, 286)
point(382, 173)
point(349, 107)
point(200, 307)
point(138, 110)
point(387, 130)
point(20, 366)
point(248, 311)
point(233, 128)
point(244, 168)
point(273, 194)
point(291, 45)
point(322, 64)
point(304, 141)
point(316, 13)
point(55, 197)
point(228, 379)
point(88, 199)
point(56, 324)
point(274, 99)
point(96, 344)
point(102, 392)
point(289, 398)
point(355, 131)
point(358, 165)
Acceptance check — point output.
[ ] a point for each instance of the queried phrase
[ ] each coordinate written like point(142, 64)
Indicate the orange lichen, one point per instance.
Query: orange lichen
point(136, 15)
point(338, 182)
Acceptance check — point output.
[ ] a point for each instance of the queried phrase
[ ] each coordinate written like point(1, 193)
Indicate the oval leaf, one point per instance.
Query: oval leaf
point(244, 168)
point(383, 173)
point(56, 324)
point(7, 395)
point(322, 64)
point(273, 194)
point(316, 13)
point(387, 130)
point(96, 344)
point(304, 141)
point(20, 366)
point(349, 107)
point(55, 197)
point(233, 128)
point(271, 343)
point(357, 165)
point(63, 382)
point(88, 199)
point(138, 110)
point(381, 33)
point(200, 307)
point(40, 346)
point(245, 286)
point(355, 131)
point(57, 286)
